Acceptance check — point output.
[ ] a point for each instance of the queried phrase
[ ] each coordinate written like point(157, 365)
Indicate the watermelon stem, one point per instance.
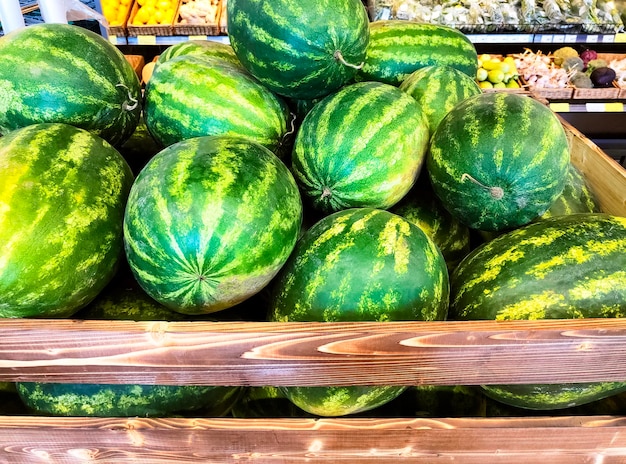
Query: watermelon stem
point(339, 57)
point(496, 192)
point(131, 103)
point(326, 192)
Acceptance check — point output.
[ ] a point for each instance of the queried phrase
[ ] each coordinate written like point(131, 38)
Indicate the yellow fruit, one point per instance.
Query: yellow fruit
point(512, 84)
point(481, 74)
point(484, 57)
point(142, 16)
point(495, 75)
point(485, 85)
point(499, 85)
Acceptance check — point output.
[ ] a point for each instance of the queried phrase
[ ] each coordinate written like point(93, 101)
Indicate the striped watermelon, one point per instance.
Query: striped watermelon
point(62, 199)
point(498, 160)
point(438, 88)
point(362, 146)
point(559, 268)
point(192, 96)
point(301, 49)
point(209, 48)
point(110, 400)
point(63, 73)
point(576, 197)
point(209, 222)
point(421, 207)
point(359, 264)
point(397, 48)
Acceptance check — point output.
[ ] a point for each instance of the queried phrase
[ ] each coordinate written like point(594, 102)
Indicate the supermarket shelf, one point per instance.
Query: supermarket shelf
point(500, 38)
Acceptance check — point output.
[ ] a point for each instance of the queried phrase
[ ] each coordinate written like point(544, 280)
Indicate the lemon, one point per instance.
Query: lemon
point(512, 84)
point(485, 85)
point(481, 74)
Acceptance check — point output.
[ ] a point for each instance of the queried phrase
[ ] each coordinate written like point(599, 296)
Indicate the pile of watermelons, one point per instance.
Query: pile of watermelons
point(319, 168)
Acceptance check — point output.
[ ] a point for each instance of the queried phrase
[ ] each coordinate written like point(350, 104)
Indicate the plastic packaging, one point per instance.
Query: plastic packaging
point(11, 15)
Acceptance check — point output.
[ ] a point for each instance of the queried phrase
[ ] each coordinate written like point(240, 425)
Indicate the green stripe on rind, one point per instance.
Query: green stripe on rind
point(577, 197)
point(340, 401)
point(422, 208)
point(563, 267)
point(486, 137)
point(397, 48)
point(192, 96)
point(438, 89)
point(291, 49)
point(208, 48)
point(209, 222)
point(362, 264)
point(108, 400)
point(63, 73)
point(362, 146)
point(62, 199)
point(553, 396)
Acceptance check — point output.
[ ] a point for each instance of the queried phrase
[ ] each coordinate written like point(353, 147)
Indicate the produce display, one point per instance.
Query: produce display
point(199, 12)
point(497, 72)
point(513, 15)
point(570, 67)
point(154, 12)
point(116, 11)
point(335, 170)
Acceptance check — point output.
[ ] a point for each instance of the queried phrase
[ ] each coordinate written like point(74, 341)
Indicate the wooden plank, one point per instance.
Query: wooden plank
point(565, 440)
point(604, 174)
point(357, 353)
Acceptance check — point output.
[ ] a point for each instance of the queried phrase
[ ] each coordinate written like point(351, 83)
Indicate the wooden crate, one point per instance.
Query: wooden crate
point(359, 353)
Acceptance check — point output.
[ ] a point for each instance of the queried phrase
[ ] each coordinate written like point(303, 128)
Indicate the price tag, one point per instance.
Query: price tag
point(592, 39)
point(595, 107)
point(614, 107)
point(545, 38)
point(608, 38)
point(560, 107)
point(113, 39)
point(196, 37)
point(570, 38)
point(146, 39)
point(620, 38)
point(558, 38)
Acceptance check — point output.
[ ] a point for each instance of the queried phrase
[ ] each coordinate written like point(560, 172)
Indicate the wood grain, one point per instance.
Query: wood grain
point(604, 174)
point(563, 440)
point(359, 353)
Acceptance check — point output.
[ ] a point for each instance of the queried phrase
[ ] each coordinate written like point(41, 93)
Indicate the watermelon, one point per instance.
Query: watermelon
point(360, 147)
point(483, 167)
point(209, 48)
point(262, 402)
point(563, 267)
point(301, 49)
point(192, 96)
point(62, 200)
point(359, 264)
point(421, 207)
point(438, 88)
point(577, 197)
point(64, 73)
point(119, 400)
point(397, 48)
point(210, 221)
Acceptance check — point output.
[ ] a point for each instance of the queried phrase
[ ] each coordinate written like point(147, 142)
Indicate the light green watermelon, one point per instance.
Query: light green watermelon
point(63, 191)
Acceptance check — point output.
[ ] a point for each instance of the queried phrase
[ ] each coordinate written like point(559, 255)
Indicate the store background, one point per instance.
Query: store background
point(605, 127)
